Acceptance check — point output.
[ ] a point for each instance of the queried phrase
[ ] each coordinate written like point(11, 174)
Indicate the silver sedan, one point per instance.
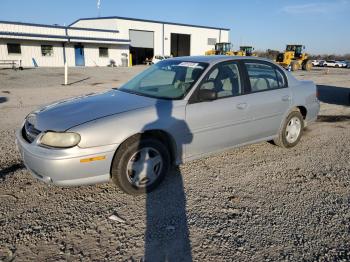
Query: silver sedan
point(177, 110)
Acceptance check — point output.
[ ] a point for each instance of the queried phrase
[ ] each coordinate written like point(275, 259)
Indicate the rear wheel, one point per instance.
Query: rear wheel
point(307, 65)
point(140, 165)
point(291, 131)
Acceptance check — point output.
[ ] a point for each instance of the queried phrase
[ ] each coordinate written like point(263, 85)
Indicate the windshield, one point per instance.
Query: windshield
point(168, 79)
point(247, 49)
point(298, 50)
point(295, 48)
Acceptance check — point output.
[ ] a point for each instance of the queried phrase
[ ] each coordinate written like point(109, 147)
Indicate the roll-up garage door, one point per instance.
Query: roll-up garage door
point(141, 46)
point(142, 39)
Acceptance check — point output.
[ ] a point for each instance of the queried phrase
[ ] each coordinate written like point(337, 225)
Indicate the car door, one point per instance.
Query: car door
point(268, 97)
point(223, 122)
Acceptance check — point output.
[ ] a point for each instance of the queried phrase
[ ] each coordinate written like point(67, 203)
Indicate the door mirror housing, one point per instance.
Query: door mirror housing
point(207, 95)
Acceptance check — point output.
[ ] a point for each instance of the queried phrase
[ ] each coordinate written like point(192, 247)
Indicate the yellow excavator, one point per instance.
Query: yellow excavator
point(226, 49)
point(294, 58)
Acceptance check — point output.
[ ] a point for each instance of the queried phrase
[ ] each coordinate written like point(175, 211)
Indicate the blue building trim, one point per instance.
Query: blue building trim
point(146, 20)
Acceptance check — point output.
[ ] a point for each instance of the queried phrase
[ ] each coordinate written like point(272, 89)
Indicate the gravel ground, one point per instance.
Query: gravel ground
point(256, 203)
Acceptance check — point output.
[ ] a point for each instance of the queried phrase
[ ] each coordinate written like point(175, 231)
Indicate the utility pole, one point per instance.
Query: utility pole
point(98, 8)
point(65, 65)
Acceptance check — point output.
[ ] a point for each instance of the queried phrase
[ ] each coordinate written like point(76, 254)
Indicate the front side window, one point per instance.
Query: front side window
point(168, 79)
point(47, 50)
point(225, 80)
point(14, 49)
point(299, 49)
point(103, 52)
point(263, 77)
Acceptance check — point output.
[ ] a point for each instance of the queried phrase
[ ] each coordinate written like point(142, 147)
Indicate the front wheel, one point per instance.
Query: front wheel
point(291, 131)
point(140, 165)
point(294, 66)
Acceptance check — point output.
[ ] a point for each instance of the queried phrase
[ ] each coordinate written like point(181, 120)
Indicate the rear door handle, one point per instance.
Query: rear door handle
point(286, 98)
point(242, 106)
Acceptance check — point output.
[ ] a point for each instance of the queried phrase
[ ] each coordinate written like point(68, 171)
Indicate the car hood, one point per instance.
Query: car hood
point(66, 114)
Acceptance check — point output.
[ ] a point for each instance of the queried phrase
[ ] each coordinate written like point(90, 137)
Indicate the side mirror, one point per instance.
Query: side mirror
point(207, 95)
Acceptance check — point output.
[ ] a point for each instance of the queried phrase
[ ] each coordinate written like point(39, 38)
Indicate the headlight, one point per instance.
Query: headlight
point(60, 140)
point(31, 119)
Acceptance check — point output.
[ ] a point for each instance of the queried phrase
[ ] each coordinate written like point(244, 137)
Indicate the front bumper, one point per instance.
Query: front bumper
point(63, 167)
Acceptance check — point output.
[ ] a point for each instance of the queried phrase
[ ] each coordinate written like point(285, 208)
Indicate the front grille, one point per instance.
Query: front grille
point(29, 132)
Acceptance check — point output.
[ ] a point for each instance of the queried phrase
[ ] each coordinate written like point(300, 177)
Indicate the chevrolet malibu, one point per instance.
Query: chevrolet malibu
point(177, 110)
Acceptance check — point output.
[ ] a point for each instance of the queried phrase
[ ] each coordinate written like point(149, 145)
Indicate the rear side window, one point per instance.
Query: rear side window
point(264, 77)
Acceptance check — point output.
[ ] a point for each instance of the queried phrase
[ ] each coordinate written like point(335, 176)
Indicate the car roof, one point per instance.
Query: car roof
point(213, 59)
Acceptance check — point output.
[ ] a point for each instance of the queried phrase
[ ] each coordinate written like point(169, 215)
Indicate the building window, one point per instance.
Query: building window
point(103, 51)
point(14, 49)
point(211, 41)
point(47, 50)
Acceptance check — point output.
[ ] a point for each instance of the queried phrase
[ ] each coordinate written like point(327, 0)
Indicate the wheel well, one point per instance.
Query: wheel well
point(303, 111)
point(162, 136)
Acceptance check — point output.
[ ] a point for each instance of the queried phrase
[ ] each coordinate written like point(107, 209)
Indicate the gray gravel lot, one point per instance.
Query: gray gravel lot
point(256, 203)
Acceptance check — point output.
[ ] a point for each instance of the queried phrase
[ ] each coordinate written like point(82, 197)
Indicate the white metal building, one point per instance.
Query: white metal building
point(48, 46)
point(97, 41)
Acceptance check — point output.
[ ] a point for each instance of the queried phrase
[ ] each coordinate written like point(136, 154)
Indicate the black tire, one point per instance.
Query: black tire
point(119, 171)
point(281, 139)
point(307, 65)
point(336, 66)
point(294, 66)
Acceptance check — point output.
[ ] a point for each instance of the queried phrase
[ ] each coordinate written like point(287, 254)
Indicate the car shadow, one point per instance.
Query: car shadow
point(167, 233)
point(11, 169)
point(333, 118)
point(334, 95)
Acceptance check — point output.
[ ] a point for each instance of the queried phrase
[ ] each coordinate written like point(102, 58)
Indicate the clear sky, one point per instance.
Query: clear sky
point(323, 26)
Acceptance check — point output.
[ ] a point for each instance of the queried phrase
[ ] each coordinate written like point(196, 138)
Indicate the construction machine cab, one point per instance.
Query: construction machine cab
point(222, 48)
point(297, 49)
point(247, 50)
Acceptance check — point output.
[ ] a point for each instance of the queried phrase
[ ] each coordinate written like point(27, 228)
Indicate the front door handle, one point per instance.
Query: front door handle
point(286, 98)
point(242, 106)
